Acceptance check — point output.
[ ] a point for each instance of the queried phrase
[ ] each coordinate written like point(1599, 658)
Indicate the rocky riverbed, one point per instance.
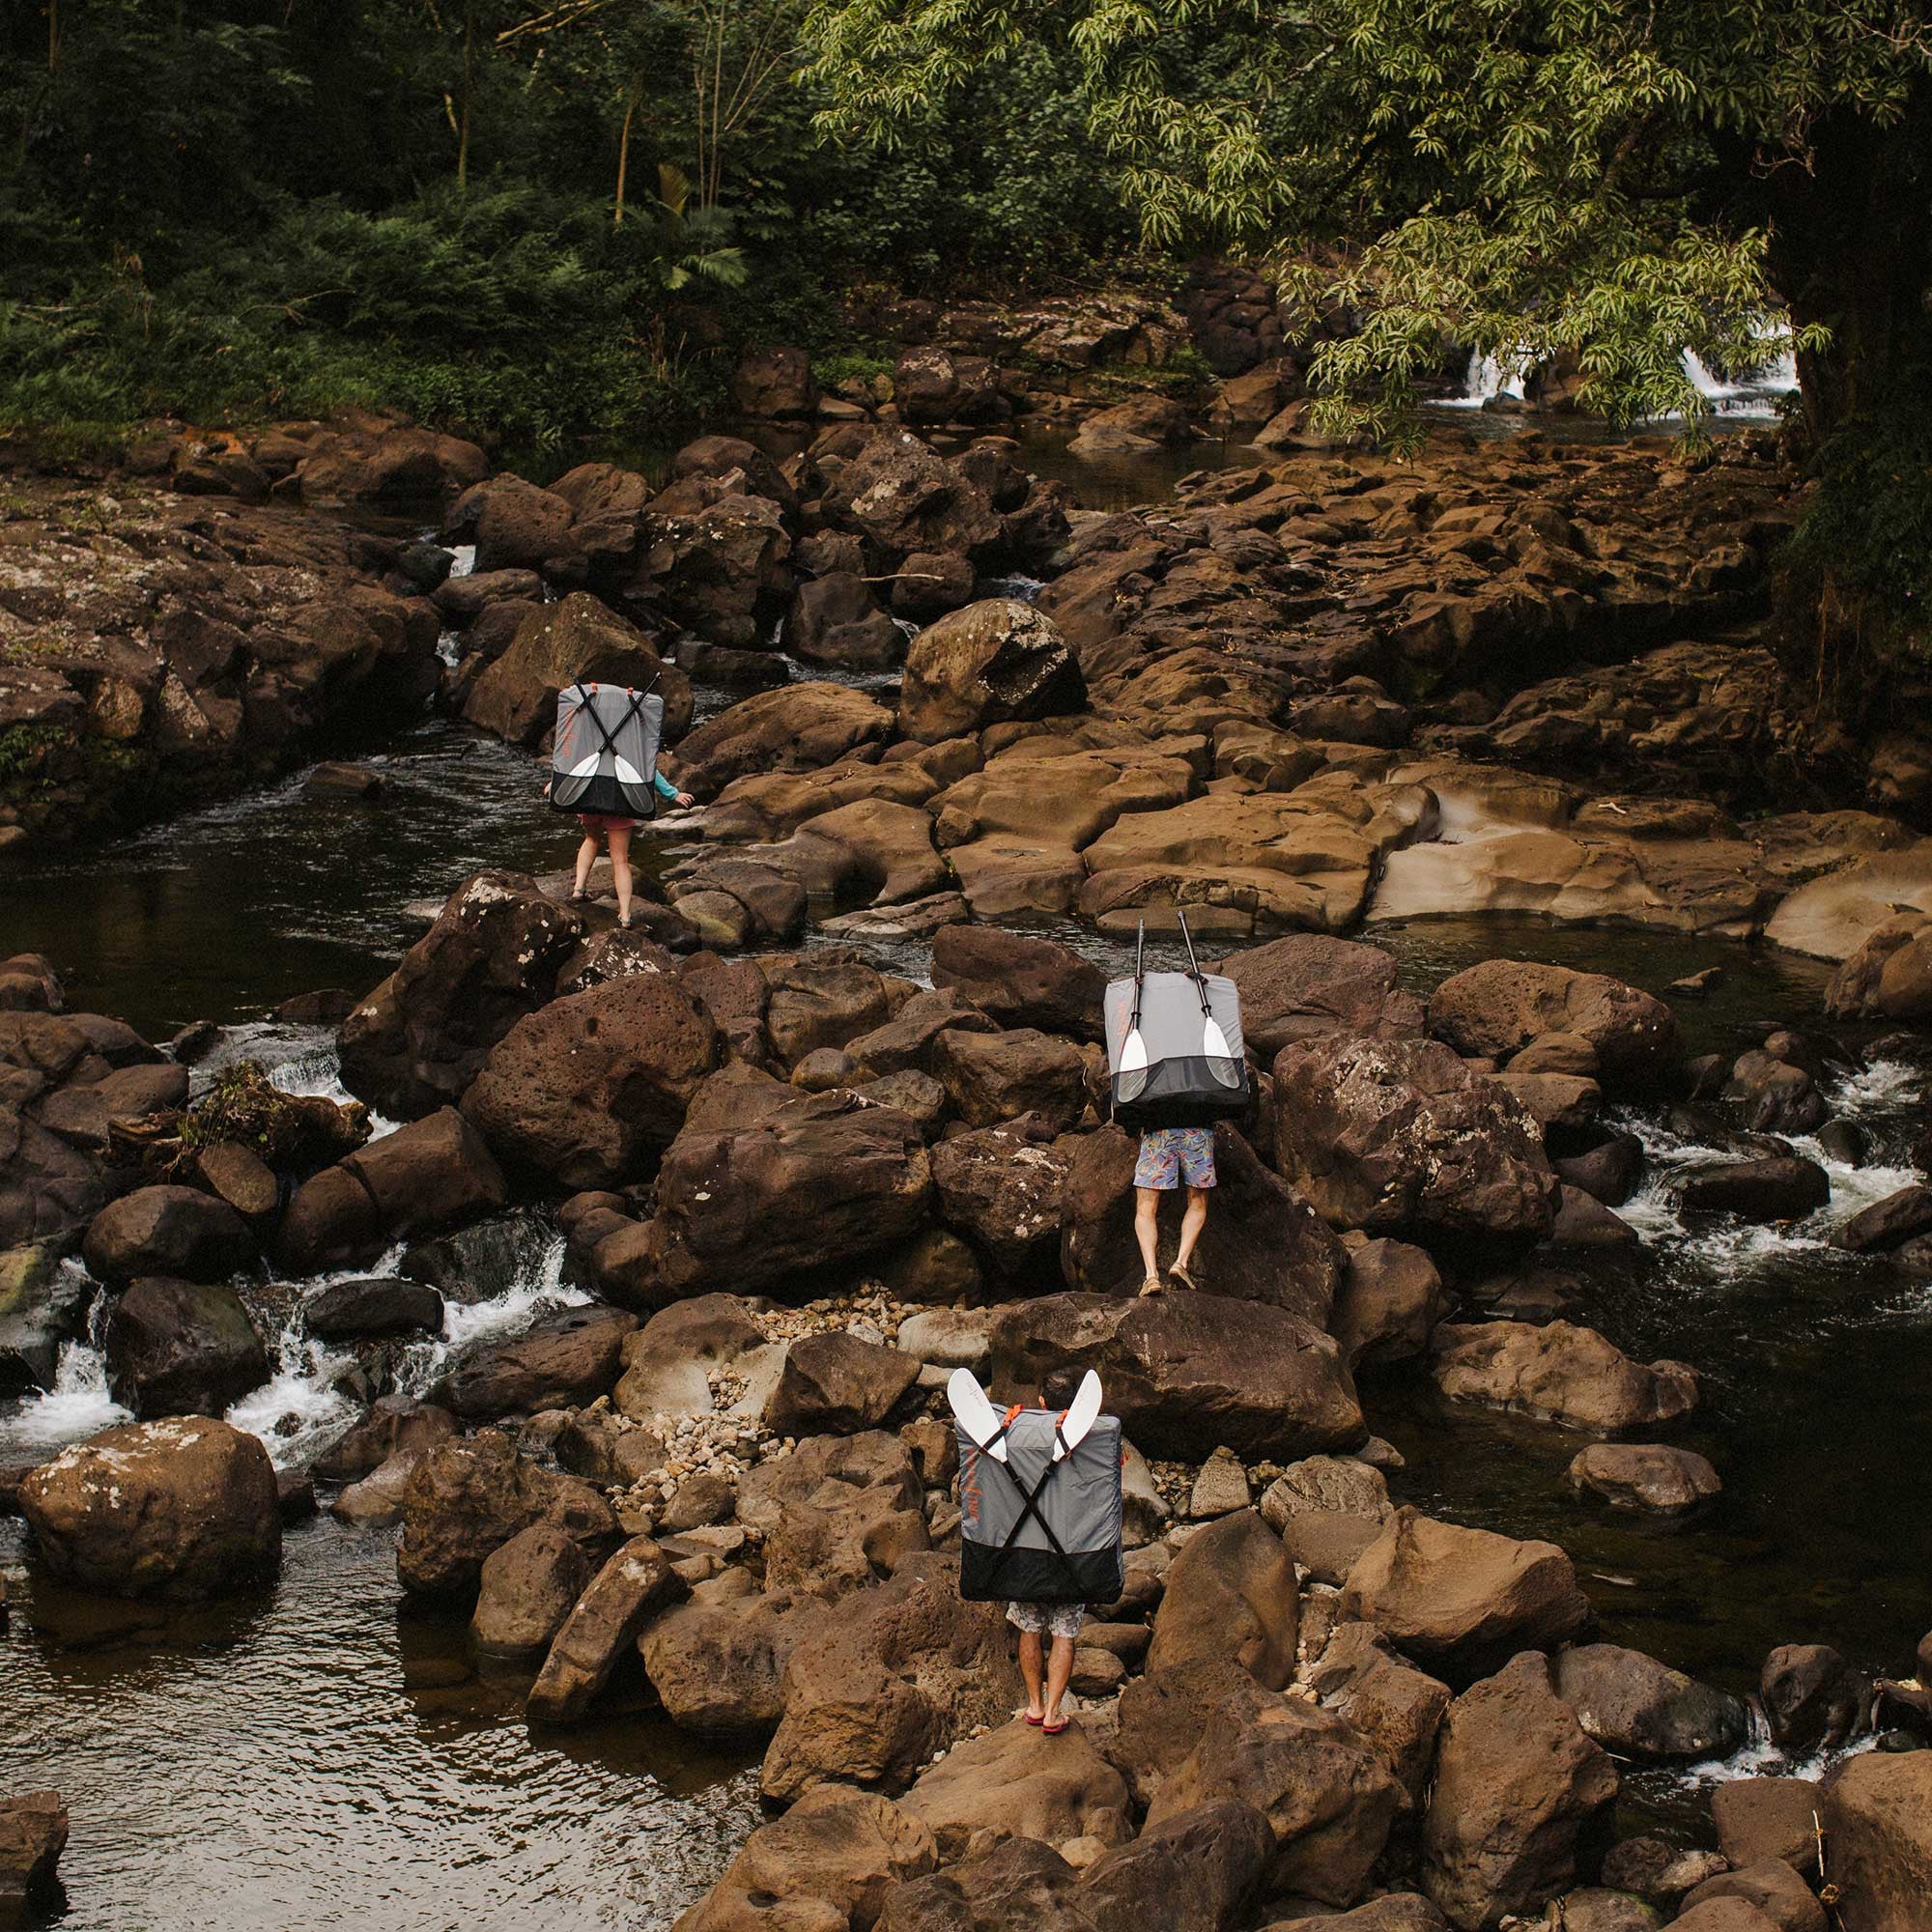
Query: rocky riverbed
point(832, 1122)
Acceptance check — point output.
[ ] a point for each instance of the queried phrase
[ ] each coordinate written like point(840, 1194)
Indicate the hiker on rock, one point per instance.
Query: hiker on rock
point(1172, 1158)
point(1048, 1671)
point(604, 766)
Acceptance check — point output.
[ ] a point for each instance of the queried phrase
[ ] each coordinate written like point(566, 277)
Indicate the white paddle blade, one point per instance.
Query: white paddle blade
point(1134, 1055)
point(975, 1413)
point(1220, 1057)
point(1079, 1416)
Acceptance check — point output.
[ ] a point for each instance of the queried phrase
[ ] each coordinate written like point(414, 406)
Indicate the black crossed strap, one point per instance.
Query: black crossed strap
point(1029, 1505)
point(636, 704)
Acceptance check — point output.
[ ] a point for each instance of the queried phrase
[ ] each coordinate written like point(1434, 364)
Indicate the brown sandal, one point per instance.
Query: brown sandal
point(1185, 1279)
point(1154, 1285)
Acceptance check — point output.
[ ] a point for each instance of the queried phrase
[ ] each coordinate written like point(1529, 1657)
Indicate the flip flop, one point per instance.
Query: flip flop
point(1154, 1285)
point(1030, 1719)
point(1052, 1730)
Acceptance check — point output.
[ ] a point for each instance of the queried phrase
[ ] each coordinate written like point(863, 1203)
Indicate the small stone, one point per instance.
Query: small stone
point(1220, 1488)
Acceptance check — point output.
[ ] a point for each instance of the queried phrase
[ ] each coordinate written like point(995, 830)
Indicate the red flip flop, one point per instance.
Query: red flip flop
point(1030, 1719)
point(1052, 1730)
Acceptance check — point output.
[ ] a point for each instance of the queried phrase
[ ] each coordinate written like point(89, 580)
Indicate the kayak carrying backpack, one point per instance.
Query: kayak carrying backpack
point(1034, 1529)
point(1175, 1055)
point(605, 754)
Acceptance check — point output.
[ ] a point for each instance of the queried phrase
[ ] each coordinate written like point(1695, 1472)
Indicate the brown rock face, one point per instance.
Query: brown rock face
point(993, 1077)
point(1516, 1785)
point(1560, 1372)
point(182, 1510)
point(492, 956)
point(835, 1383)
point(1398, 1708)
point(1015, 1783)
point(1390, 1301)
point(527, 1588)
point(182, 1348)
point(1759, 1818)
point(567, 1360)
point(985, 664)
point(1309, 985)
point(1186, 1372)
point(587, 1089)
point(719, 1668)
point(1645, 1475)
point(467, 1498)
point(1397, 1136)
point(1230, 1593)
point(1263, 1242)
point(1638, 1707)
point(33, 1835)
point(827, 1866)
point(1502, 1005)
point(1890, 977)
point(1003, 1188)
point(798, 729)
point(1459, 1600)
point(1878, 1822)
point(167, 1231)
point(1019, 979)
point(603, 1624)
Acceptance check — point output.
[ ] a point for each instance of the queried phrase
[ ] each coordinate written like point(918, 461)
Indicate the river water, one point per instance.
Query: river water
point(330, 1755)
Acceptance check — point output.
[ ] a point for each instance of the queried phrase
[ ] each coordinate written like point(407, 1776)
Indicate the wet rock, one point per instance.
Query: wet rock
point(1458, 1600)
point(1263, 1242)
point(1775, 1188)
point(1771, 1888)
point(83, 1115)
point(1391, 1299)
point(814, 1004)
point(1889, 1223)
point(800, 728)
point(1517, 1784)
point(395, 1423)
point(587, 1089)
point(564, 1362)
point(1398, 1708)
point(1811, 1696)
point(984, 665)
point(835, 619)
point(1230, 1592)
point(1608, 1172)
point(371, 1305)
point(183, 1510)
point(1003, 1190)
point(1772, 1095)
point(527, 1589)
point(167, 1231)
point(1503, 1004)
point(1399, 1136)
point(1638, 1707)
point(1020, 980)
point(1662, 1872)
point(930, 585)
point(1328, 1510)
point(182, 1348)
point(431, 1174)
point(376, 1502)
point(1016, 1782)
point(1890, 975)
point(469, 1497)
point(1562, 1373)
point(33, 1835)
point(1759, 1818)
point(1203, 1864)
point(1309, 985)
point(719, 1668)
point(993, 1077)
point(42, 1304)
point(909, 1670)
point(828, 1865)
point(1878, 1823)
point(1185, 1372)
point(838, 1384)
point(603, 1625)
point(1644, 1475)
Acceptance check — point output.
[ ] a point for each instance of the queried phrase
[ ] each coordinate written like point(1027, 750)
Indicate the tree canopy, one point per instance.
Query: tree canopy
point(1535, 179)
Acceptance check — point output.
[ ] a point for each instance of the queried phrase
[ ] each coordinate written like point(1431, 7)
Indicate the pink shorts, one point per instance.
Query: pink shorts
point(602, 821)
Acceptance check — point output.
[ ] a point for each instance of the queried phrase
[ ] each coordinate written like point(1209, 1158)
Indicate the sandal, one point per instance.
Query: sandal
point(577, 899)
point(1030, 1719)
point(624, 923)
point(1185, 1279)
point(1052, 1730)
point(1154, 1285)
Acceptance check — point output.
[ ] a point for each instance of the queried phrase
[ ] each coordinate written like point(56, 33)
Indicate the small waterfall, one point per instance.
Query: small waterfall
point(78, 1404)
point(1484, 380)
point(1754, 398)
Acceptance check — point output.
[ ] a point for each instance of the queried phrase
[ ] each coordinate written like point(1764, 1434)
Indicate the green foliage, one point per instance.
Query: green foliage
point(25, 749)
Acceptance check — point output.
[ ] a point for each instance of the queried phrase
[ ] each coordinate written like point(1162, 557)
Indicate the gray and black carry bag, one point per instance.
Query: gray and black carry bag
point(1175, 1056)
point(606, 750)
point(1036, 1531)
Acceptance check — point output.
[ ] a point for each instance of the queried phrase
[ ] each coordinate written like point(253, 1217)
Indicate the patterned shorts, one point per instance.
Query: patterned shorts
point(1170, 1155)
point(1043, 1619)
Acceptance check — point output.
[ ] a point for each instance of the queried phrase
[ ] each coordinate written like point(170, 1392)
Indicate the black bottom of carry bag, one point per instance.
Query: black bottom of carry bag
point(606, 798)
point(1183, 1093)
point(1039, 1576)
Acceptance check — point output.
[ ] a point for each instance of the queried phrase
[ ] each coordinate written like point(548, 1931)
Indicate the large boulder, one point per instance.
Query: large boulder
point(1230, 1593)
point(1644, 1475)
point(371, 1305)
point(566, 1361)
point(1003, 1189)
point(718, 1668)
point(526, 1587)
point(1499, 1006)
point(835, 619)
point(1636, 1707)
point(1400, 1137)
point(1308, 984)
point(1203, 1865)
point(821, 1179)
point(1391, 1299)
point(1889, 976)
point(179, 1232)
point(1517, 1784)
point(990, 663)
point(587, 1089)
point(1768, 1888)
point(774, 382)
point(604, 1623)
point(838, 1384)
point(435, 1173)
point(997, 1077)
point(1768, 1187)
point(907, 1670)
point(904, 498)
point(1017, 1782)
point(1020, 980)
point(1877, 1824)
point(491, 957)
point(1562, 1373)
point(1263, 1242)
point(828, 1865)
point(182, 1348)
point(33, 1835)
point(837, 1514)
point(799, 727)
point(1187, 1372)
point(183, 1510)
point(1812, 1696)
point(1461, 1600)
point(1328, 1510)
point(684, 1355)
point(1397, 1707)
point(469, 1497)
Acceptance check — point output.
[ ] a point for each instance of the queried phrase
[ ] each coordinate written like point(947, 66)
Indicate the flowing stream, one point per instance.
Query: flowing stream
point(330, 1755)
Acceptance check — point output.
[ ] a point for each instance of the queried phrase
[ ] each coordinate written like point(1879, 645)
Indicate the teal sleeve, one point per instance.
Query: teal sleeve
point(665, 787)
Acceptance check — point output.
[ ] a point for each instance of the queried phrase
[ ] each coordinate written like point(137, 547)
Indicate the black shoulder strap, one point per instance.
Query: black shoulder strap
point(1029, 1507)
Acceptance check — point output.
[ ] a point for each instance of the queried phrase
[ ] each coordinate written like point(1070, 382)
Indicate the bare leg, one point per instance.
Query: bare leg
point(586, 857)
point(620, 869)
point(1059, 1670)
point(1191, 1224)
point(1147, 1229)
point(1030, 1669)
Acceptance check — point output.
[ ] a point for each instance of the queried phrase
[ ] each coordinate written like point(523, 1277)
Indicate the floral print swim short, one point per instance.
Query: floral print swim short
point(1172, 1155)
point(1047, 1619)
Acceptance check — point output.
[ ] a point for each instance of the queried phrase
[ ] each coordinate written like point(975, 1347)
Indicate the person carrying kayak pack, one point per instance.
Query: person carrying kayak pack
point(1039, 1529)
point(1176, 1065)
point(603, 767)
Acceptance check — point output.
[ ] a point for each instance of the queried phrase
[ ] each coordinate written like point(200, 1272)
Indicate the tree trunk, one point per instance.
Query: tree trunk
point(624, 146)
point(469, 88)
point(53, 34)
